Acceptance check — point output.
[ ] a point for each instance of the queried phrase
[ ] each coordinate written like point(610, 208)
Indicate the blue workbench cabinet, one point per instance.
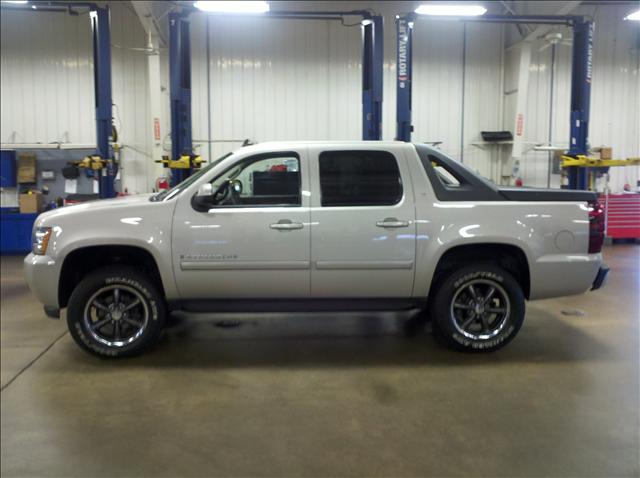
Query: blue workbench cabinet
point(8, 169)
point(15, 231)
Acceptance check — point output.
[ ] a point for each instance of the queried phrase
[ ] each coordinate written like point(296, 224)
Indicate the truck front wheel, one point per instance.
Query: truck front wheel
point(477, 308)
point(115, 312)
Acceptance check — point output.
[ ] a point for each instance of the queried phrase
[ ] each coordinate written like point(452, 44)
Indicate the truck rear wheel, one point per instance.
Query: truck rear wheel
point(477, 308)
point(115, 312)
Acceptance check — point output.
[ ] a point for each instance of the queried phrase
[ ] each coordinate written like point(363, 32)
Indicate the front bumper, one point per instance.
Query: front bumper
point(42, 276)
point(601, 278)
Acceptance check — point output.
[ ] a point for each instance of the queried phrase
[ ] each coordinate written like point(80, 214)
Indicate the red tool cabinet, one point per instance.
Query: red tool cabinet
point(622, 212)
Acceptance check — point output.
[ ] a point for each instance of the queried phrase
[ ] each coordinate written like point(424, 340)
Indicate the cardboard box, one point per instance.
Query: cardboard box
point(26, 168)
point(31, 203)
point(606, 152)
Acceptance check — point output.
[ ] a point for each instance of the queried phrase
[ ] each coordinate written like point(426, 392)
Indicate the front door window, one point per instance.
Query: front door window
point(265, 181)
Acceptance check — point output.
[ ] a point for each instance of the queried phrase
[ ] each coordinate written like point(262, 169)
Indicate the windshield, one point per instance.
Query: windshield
point(169, 193)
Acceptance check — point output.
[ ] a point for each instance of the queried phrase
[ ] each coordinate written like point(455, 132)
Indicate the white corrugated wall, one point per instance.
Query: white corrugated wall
point(615, 96)
point(301, 79)
point(46, 64)
point(47, 79)
point(278, 79)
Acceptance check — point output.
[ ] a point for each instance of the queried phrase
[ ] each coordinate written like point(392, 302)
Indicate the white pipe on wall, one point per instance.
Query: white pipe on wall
point(47, 146)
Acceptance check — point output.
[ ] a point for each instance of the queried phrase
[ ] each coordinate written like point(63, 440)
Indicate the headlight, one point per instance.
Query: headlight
point(40, 241)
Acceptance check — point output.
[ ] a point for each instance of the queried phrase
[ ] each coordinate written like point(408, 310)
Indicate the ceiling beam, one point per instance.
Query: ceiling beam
point(151, 25)
point(544, 29)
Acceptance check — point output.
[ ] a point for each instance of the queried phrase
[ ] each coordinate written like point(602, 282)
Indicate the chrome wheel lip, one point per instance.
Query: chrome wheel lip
point(115, 289)
point(499, 292)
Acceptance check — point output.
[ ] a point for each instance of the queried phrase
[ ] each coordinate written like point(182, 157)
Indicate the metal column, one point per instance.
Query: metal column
point(180, 91)
point(372, 69)
point(180, 80)
point(580, 79)
point(581, 69)
point(102, 87)
point(404, 31)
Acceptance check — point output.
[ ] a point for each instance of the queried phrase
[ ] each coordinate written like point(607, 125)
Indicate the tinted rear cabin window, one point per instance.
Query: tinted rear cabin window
point(359, 178)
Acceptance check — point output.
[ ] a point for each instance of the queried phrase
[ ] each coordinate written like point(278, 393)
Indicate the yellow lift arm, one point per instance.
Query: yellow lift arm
point(183, 163)
point(587, 162)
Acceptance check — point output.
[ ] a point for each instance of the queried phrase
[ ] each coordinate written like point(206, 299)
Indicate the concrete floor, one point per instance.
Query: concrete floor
point(329, 395)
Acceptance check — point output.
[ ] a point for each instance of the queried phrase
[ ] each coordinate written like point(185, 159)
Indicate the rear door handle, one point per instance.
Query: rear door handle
point(286, 225)
point(392, 222)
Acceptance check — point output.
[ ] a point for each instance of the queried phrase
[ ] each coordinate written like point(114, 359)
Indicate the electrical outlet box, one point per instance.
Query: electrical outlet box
point(48, 175)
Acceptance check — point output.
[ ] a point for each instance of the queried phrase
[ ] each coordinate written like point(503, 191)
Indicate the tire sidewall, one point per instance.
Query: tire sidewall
point(444, 295)
point(109, 277)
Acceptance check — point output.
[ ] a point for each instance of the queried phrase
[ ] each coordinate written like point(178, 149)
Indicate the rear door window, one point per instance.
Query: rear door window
point(359, 178)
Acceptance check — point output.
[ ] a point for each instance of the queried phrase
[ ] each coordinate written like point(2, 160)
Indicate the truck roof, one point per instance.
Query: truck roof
point(271, 145)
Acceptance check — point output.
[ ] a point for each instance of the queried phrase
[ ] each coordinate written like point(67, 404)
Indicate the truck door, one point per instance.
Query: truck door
point(363, 223)
point(253, 241)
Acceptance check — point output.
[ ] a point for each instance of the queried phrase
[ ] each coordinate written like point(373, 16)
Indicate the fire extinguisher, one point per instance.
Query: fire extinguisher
point(162, 183)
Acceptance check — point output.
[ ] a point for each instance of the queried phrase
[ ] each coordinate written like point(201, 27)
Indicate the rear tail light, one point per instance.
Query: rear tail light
point(596, 227)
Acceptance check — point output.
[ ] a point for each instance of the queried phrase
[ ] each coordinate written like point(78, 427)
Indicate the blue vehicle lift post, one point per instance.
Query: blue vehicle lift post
point(103, 163)
point(102, 86)
point(581, 69)
point(372, 70)
point(580, 78)
point(180, 92)
point(404, 76)
point(180, 80)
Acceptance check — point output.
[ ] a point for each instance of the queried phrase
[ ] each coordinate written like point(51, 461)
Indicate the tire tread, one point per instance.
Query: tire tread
point(96, 279)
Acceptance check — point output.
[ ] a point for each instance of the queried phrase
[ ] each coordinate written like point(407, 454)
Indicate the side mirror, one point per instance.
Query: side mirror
point(203, 199)
point(205, 191)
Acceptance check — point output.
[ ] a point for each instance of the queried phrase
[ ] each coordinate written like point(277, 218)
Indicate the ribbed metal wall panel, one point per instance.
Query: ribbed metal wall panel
point(437, 85)
point(47, 79)
point(131, 97)
point(615, 112)
point(46, 64)
point(615, 96)
point(286, 79)
point(483, 76)
point(280, 79)
point(438, 82)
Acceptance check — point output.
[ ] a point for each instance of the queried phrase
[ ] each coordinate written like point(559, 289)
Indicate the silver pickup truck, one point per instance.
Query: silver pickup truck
point(308, 225)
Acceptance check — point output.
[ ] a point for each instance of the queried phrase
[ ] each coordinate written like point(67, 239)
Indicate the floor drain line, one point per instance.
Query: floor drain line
point(26, 367)
point(574, 312)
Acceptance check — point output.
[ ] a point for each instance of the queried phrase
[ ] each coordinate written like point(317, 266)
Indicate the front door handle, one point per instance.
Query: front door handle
point(392, 222)
point(286, 225)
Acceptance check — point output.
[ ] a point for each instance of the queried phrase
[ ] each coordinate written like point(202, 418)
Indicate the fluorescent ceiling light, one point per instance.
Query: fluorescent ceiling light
point(233, 7)
point(633, 16)
point(452, 10)
point(21, 2)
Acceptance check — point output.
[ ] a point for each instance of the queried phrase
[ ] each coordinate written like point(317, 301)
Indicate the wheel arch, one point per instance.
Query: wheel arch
point(508, 256)
point(84, 260)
